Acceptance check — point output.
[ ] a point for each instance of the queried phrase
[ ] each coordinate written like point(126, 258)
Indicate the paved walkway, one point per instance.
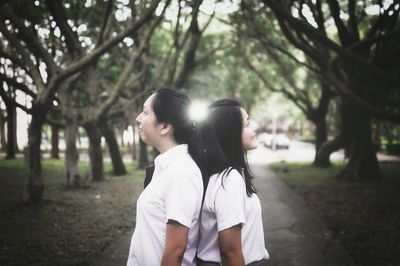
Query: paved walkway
point(294, 235)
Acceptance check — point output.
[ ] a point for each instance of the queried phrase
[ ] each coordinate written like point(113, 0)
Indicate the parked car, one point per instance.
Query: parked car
point(281, 141)
point(264, 139)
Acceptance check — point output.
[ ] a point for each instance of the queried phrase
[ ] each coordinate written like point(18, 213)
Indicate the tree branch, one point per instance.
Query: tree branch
point(21, 86)
point(208, 22)
point(32, 69)
point(15, 60)
point(30, 39)
point(190, 52)
point(207, 54)
point(9, 100)
point(105, 27)
point(71, 39)
point(272, 88)
point(353, 23)
point(323, 40)
point(88, 59)
point(342, 30)
point(360, 103)
point(260, 36)
point(128, 69)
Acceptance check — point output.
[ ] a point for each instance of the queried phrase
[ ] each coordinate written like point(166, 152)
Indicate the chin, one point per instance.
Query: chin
point(250, 147)
point(253, 147)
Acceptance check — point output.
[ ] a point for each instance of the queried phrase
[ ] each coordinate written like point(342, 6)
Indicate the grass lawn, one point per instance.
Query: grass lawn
point(363, 215)
point(71, 227)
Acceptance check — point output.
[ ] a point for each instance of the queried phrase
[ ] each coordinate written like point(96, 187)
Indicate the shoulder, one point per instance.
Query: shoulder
point(231, 175)
point(184, 166)
point(227, 180)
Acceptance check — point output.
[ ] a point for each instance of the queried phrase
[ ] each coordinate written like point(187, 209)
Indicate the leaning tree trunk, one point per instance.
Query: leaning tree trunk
point(113, 149)
point(71, 153)
point(95, 152)
point(327, 149)
point(35, 185)
point(363, 162)
point(11, 130)
point(143, 155)
point(55, 151)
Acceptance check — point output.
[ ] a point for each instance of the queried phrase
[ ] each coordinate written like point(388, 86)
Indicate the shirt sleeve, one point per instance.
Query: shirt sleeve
point(183, 193)
point(230, 201)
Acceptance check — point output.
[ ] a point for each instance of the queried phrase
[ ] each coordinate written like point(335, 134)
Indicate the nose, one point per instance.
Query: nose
point(139, 119)
point(252, 126)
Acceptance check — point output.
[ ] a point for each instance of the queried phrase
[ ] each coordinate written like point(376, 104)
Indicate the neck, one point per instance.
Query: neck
point(166, 144)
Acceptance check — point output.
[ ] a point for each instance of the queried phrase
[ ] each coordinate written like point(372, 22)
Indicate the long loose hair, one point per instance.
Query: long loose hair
point(216, 144)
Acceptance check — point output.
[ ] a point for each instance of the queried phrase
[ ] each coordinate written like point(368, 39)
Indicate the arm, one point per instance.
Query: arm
point(175, 243)
point(230, 246)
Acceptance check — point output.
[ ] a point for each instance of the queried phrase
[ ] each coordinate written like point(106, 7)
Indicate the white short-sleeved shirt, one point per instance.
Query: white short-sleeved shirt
point(175, 192)
point(225, 205)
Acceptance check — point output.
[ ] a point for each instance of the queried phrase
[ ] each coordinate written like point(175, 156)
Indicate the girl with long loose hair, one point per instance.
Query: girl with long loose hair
point(231, 229)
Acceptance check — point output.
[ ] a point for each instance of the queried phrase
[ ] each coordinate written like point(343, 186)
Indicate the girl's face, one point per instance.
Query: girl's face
point(248, 134)
point(149, 128)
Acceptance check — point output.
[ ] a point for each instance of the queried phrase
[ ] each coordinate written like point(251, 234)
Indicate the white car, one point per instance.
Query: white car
point(269, 140)
point(264, 139)
point(281, 141)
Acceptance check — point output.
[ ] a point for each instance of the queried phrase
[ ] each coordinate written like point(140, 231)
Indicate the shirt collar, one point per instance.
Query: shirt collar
point(166, 158)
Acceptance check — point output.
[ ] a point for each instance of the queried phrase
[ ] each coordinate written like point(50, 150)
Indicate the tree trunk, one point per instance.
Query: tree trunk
point(363, 163)
point(319, 119)
point(11, 128)
point(55, 152)
point(95, 152)
point(189, 60)
point(320, 138)
point(35, 183)
point(122, 142)
point(377, 134)
point(327, 149)
point(71, 153)
point(113, 149)
point(3, 143)
point(134, 146)
point(143, 155)
point(16, 149)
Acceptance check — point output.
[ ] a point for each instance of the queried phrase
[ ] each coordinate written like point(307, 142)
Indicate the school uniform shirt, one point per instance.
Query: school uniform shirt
point(175, 192)
point(225, 205)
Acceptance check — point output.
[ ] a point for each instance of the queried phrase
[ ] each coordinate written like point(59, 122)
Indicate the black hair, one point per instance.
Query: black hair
point(216, 145)
point(172, 106)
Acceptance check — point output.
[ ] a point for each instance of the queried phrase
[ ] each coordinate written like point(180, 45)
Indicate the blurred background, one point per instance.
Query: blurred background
point(319, 79)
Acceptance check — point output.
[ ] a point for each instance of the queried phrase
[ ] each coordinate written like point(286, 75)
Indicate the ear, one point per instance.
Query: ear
point(166, 128)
